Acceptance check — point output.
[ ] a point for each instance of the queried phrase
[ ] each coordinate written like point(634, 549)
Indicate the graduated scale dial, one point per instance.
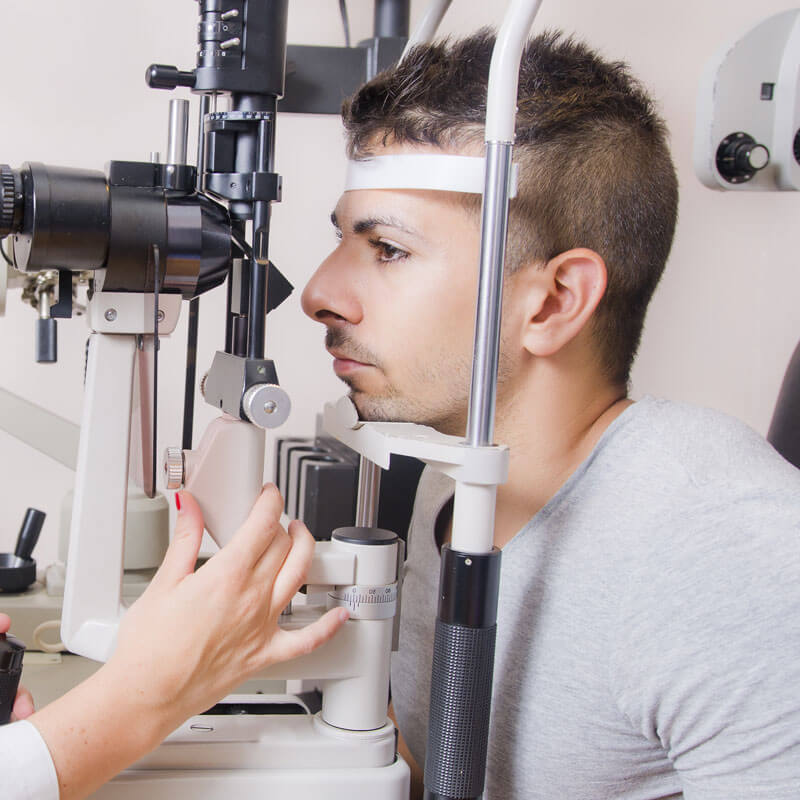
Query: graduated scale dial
point(366, 602)
point(373, 595)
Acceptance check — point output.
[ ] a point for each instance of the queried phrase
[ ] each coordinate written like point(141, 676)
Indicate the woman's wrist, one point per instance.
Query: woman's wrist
point(98, 729)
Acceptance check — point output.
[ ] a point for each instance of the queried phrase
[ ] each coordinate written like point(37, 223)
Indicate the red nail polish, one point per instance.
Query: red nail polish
point(177, 501)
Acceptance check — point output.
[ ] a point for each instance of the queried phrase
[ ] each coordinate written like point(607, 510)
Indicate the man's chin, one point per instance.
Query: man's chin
point(369, 410)
point(381, 409)
point(376, 409)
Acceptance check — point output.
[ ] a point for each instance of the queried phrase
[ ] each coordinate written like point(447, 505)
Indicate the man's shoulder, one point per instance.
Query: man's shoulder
point(702, 448)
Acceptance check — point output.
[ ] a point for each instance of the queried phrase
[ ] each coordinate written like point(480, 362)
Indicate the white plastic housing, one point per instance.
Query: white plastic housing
point(225, 474)
point(731, 98)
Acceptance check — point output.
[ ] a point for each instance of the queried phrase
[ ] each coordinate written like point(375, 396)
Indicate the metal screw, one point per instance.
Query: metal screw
point(261, 370)
point(270, 407)
point(111, 314)
point(160, 316)
point(468, 562)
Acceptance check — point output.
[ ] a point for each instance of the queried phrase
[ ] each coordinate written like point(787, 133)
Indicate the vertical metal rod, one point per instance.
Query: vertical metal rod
point(369, 487)
point(228, 312)
point(205, 106)
point(391, 17)
point(191, 374)
point(256, 317)
point(260, 152)
point(156, 348)
point(483, 390)
point(261, 208)
point(178, 132)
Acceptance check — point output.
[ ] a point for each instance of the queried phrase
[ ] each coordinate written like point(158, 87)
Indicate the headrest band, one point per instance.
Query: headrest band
point(438, 171)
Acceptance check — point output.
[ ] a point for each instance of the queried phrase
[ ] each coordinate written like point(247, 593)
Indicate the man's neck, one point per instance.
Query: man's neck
point(551, 428)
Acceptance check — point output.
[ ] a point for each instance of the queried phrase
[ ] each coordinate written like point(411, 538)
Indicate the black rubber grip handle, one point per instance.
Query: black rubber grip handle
point(461, 694)
point(11, 653)
point(46, 341)
point(29, 532)
point(9, 683)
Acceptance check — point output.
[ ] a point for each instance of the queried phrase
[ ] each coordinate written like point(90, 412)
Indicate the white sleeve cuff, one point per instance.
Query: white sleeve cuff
point(28, 769)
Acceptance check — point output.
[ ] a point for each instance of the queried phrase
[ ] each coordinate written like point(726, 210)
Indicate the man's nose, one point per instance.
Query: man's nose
point(330, 295)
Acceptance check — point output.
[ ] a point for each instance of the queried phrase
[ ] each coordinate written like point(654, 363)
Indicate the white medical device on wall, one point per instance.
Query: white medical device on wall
point(747, 134)
point(747, 137)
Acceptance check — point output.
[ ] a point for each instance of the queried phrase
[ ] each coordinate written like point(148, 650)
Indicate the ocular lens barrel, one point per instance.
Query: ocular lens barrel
point(65, 219)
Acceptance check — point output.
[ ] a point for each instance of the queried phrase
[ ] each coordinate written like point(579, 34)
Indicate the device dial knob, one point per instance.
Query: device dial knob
point(266, 405)
point(740, 157)
point(11, 201)
point(174, 467)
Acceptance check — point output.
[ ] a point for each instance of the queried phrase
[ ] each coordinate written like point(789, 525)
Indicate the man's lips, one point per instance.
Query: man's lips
point(342, 365)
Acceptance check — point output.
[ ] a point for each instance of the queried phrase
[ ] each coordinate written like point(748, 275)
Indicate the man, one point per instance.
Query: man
point(648, 638)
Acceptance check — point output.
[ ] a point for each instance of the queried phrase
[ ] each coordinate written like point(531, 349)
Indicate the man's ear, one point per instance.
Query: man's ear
point(560, 299)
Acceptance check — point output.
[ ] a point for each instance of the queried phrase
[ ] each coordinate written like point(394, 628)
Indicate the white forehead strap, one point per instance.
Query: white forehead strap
point(438, 171)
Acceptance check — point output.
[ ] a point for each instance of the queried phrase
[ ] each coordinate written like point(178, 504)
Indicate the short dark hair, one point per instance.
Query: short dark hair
point(594, 164)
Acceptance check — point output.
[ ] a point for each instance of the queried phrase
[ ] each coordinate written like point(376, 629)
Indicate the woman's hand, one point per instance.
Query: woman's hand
point(193, 636)
point(185, 643)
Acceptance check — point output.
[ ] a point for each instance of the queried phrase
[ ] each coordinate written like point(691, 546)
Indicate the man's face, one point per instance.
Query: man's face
point(397, 296)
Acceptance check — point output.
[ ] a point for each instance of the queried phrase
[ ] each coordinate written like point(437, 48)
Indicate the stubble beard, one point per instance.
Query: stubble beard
point(446, 413)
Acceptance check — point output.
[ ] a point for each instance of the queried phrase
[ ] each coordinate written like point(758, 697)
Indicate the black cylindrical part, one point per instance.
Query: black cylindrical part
point(462, 675)
point(66, 219)
point(29, 532)
point(11, 652)
point(165, 76)
point(46, 341)
point(257, 313)
point(392, 17)
point(239, 335)
point(242, 53)
point(469, 585)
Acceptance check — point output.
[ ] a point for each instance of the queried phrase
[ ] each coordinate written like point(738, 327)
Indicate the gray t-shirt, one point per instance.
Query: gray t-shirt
point(648, 640)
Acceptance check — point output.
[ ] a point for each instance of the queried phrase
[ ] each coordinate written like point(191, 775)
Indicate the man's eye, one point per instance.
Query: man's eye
point(387, 251)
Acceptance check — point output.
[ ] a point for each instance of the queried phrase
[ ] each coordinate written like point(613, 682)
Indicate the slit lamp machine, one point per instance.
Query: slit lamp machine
point(143, 237)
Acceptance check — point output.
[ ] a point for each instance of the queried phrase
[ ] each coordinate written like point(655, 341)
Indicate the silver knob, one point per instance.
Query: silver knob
point(174, 467)
point(266, 405)
point(758, 157)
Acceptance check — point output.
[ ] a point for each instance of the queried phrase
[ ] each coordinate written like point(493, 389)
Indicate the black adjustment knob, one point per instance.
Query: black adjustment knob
point(740, 157)
point(164, 76)
point(11, 203)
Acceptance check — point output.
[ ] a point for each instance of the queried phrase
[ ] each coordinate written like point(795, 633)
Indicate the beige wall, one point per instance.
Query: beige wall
point(721, 328)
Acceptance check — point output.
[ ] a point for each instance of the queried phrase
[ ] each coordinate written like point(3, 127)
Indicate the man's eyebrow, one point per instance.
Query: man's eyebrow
point(368, 224)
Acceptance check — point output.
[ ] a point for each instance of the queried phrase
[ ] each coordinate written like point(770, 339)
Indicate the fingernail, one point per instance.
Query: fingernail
point(344, 614)
point(177, 501)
